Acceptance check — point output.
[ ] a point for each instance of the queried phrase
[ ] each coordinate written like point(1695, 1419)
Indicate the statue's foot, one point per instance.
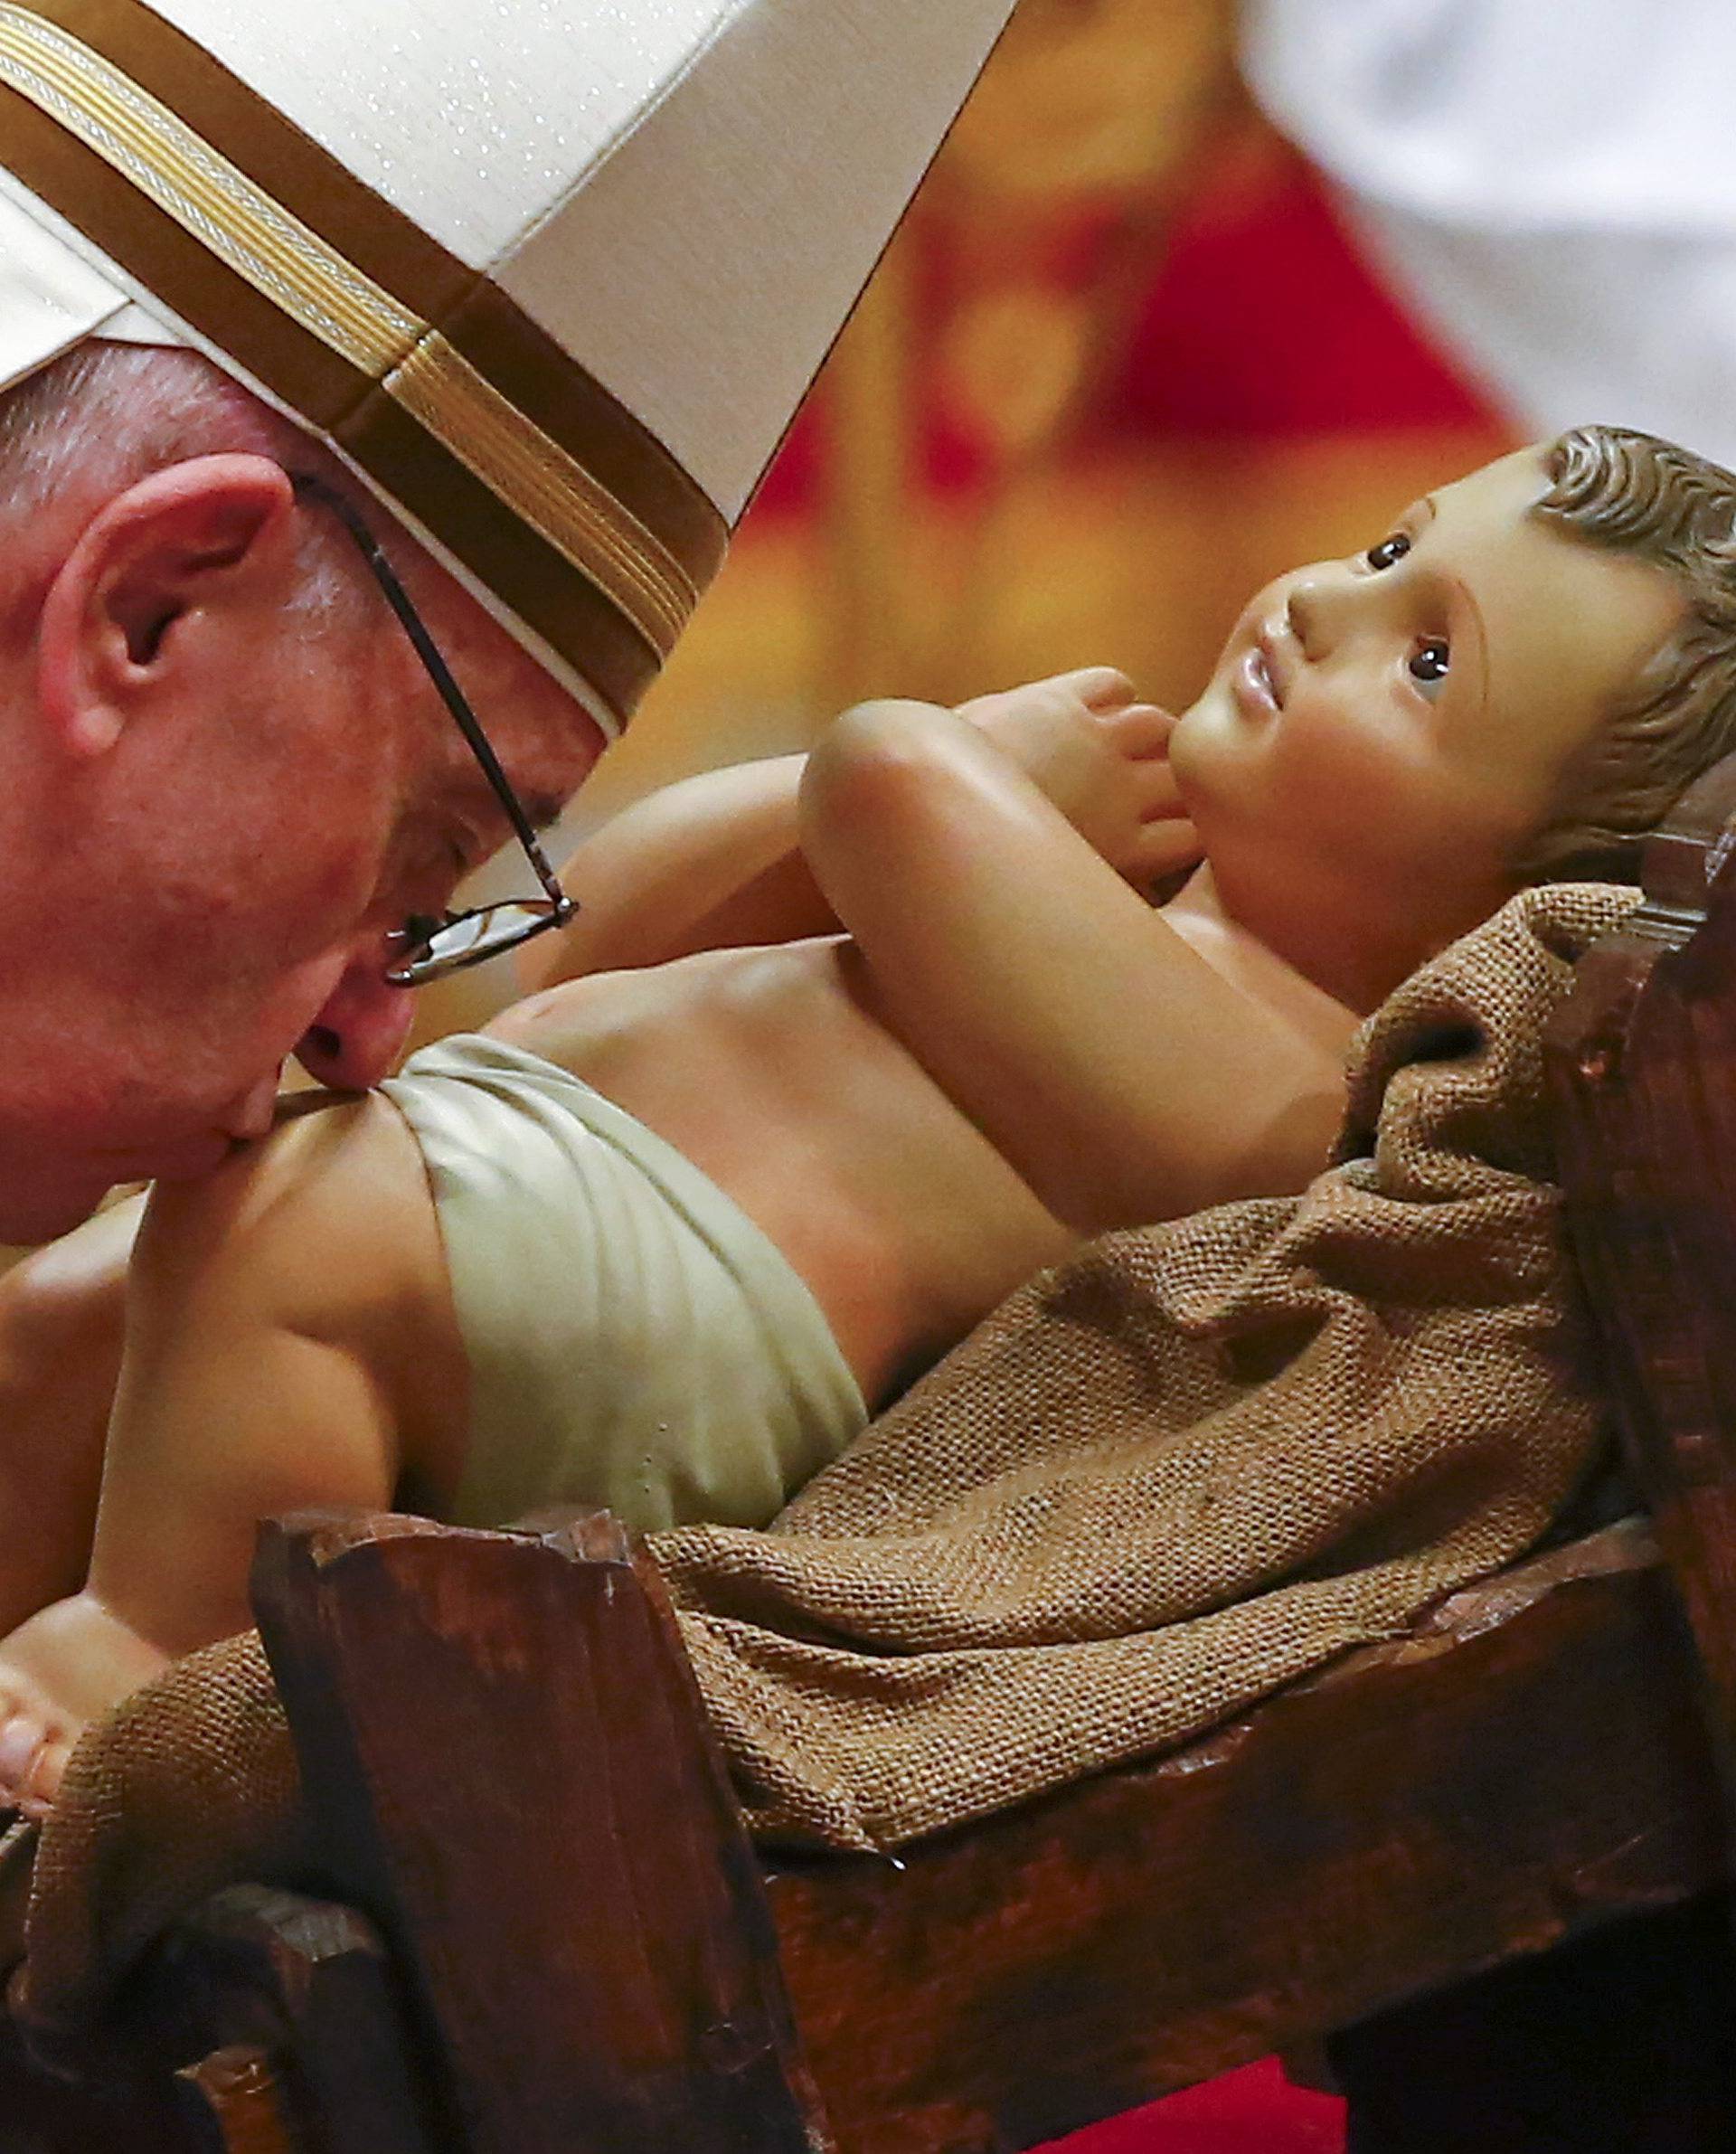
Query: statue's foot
point(36, 1739)
point(65, 1667)
point(1102, 757)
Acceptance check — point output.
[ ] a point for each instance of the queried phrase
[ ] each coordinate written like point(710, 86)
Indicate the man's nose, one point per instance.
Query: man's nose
point(359, 1031)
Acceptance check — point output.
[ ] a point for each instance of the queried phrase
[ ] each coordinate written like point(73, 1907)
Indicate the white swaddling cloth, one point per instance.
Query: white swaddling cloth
point(634, 1339)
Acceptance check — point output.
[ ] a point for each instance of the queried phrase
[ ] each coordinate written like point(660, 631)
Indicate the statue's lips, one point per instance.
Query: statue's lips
point(1257, 681)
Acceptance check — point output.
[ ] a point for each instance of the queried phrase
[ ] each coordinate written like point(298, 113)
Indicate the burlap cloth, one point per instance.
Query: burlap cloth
point(1190, 1465)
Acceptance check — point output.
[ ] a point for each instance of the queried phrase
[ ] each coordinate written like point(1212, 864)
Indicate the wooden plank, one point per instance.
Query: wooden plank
point(42, 2114)
point(509, 1768)
point(234, 2099)
point(1642, 1062)
point(1159, 1924)
point(311, 1982)
point(263, 2013)
point(1528, 1763)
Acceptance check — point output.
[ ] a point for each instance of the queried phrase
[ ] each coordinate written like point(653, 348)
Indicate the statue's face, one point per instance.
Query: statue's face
point(1384, 731)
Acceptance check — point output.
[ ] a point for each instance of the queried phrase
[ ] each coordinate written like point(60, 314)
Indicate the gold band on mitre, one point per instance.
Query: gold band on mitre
point(435, 384)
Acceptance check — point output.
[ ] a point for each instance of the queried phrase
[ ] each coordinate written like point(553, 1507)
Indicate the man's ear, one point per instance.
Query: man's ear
point(195, 535)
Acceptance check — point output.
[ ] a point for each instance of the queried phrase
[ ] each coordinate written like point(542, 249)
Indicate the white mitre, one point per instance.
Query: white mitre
point(551, 276)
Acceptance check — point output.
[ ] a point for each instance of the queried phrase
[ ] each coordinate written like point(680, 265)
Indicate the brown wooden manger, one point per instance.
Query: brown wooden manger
point(1422, 1853)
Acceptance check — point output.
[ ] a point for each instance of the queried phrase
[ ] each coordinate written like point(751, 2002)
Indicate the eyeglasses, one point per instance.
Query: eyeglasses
point(429, 948)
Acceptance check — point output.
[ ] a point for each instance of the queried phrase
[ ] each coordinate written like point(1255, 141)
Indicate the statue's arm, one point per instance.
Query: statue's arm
point(1109, 1062)
point(707, 864)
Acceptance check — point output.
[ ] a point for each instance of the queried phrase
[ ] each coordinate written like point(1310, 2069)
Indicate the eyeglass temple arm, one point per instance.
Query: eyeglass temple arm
point(451, 695)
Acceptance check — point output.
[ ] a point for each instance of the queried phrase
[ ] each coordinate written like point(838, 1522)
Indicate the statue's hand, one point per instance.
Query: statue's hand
point(1102, 757)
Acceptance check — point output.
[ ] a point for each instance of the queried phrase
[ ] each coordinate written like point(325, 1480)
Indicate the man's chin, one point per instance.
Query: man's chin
point(31, 1215)
point(38, 1202)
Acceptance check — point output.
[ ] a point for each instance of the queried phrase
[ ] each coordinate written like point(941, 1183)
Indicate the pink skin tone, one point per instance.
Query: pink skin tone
point(213, 822)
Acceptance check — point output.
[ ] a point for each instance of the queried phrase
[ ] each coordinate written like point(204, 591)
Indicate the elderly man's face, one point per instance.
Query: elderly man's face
point(216, 892)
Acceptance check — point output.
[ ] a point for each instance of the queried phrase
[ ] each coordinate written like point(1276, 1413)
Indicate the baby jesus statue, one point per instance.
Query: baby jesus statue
point(838, 1051)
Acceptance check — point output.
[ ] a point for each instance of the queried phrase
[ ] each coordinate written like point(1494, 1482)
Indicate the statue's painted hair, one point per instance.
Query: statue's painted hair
point(1637, 495)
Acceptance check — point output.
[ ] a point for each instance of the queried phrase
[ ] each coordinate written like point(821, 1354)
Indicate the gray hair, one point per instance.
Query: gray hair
point(106, 415)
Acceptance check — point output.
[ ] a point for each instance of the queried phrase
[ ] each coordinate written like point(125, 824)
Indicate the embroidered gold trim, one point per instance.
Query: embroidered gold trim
point(312, 283)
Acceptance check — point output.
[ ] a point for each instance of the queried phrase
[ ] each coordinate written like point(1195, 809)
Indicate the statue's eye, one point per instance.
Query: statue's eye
point(1390, 550)
point(1428, 664)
